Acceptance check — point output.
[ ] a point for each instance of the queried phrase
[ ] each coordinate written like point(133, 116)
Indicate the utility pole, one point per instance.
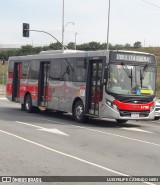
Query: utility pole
point(75, 39)
point(108, 25)
point(63, 25)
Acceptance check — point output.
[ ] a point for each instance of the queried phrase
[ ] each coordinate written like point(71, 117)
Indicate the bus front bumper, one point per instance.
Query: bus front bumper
point(111, 113)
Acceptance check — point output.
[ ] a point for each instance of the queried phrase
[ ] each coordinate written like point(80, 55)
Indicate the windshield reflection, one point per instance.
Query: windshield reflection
point(131, 80)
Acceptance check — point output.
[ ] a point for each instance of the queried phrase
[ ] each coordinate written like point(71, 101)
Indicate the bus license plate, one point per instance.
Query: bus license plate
point(134, 115)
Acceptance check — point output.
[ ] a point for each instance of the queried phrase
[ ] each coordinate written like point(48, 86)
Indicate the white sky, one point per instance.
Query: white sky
point(130, 21)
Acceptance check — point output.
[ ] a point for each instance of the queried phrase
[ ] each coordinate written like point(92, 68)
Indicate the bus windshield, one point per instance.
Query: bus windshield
point(131, 80)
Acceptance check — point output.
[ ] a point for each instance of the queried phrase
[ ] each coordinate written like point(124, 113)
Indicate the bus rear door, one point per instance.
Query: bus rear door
point(94, 89)
point(43, 86)
point(17, 76)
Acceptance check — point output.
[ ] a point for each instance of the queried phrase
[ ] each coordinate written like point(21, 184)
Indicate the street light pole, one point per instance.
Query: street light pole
point(3, 77)
point(63, 26)
point(69, 23)
point(75, 39)
point(108, 26)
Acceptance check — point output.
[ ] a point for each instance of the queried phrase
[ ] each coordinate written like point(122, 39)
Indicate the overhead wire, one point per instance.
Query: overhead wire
point(151, 4)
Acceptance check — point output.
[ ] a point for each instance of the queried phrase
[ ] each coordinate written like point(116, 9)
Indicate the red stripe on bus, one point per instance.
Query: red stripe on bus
point(133, 107)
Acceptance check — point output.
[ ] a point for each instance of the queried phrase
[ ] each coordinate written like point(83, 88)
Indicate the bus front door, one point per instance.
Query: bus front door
point(43, 86)
point(17, 76)
point(94, 91)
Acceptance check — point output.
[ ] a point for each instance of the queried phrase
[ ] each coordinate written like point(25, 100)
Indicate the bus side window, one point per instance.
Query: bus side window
point(68, 70)
point(10, 69)
point(10, 66)
point(25, 67)
point(55, 69)
point(80, 71)
point(34, 70)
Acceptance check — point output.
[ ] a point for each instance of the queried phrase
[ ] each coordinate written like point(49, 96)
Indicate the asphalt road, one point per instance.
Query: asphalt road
point(51, 144)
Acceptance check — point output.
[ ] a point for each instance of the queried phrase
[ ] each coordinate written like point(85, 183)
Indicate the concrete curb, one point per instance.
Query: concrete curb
point(2, 90)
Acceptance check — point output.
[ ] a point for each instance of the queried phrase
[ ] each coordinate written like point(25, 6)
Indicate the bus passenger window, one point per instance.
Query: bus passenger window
point(34, 70)
point(68, 70)
point(25, 69)
point(10, 66)
point(55, 69)
point(80, 71)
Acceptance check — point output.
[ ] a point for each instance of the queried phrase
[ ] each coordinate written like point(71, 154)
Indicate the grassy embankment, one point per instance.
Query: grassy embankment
point(3, 71)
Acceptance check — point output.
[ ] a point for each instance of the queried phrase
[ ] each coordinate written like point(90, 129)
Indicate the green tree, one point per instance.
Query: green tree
point(118, 47)
point(55, 46)
point(127, 46)
point(71, 45)
point(94, 45)
point(27, 50)
point(137, 44)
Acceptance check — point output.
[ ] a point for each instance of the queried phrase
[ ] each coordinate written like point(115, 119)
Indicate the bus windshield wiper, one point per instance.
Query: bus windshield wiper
point(143, 73)
point(141, 78)
point(128, 72)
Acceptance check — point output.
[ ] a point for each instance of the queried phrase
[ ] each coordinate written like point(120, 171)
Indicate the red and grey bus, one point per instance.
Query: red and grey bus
point(119, 85)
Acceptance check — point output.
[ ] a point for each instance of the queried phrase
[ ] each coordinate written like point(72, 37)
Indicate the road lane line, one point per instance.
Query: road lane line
point(102, 132)
point(28, 124)
point(136, 130)
point(3, 98)
point(70, 156)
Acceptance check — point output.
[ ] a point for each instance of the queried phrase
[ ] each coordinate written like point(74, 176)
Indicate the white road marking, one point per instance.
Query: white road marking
point(52, 130)
point(3, 98)
point(70, 156)
point(55, 131)
point(137, 130)
point(102, 132)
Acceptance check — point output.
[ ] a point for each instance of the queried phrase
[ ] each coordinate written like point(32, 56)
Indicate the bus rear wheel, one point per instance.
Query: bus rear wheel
point(28, 104)
point(78, 112)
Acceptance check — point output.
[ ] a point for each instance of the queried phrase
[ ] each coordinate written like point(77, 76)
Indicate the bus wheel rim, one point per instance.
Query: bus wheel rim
point(27, 105)
point(79, 111)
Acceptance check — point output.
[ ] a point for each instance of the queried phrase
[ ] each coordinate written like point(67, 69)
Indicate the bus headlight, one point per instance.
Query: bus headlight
point(152, 108)
point(108, 103)
point(112, 105)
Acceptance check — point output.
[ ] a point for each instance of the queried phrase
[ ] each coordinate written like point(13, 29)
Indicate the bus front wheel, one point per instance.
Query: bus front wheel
point(78, 112)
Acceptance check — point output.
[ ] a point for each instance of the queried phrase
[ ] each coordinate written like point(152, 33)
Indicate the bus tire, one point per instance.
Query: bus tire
point(78, 112)
point(121, 121)
point(28, 104)
point(156, 118)
point(23, 107)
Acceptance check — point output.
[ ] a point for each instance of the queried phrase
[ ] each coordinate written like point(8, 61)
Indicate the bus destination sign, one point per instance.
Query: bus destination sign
point(135, 58)
point(132, 57)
